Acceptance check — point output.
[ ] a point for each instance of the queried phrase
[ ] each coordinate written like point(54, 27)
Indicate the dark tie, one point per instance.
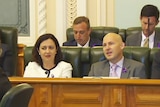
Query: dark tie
point(146, 42)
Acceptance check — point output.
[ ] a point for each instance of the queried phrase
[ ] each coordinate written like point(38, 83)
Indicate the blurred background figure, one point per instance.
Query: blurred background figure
point(82, 31)
point(6, 59)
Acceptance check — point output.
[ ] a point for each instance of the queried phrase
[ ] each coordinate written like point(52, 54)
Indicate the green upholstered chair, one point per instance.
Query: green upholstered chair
point(134, 30)
point(96, 54)
point(73, 56)
point(17, 96)
point(79, 58)
point(27, 55)
point(122, 32)
point(141, 54)
point(97, 32)
point(85, 61)
point(9, 36)
point(152, 55)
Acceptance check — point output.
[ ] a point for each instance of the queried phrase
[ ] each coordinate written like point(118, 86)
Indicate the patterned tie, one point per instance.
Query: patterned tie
point(113, 72)
point(146, 42)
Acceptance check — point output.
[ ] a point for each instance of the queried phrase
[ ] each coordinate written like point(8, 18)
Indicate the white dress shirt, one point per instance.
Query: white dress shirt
point(119, 68)
point(86, 45)
point(151, 40)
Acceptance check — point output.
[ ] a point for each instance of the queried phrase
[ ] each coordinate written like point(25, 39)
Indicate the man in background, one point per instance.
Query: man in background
point(148, 37)
point(82, 31)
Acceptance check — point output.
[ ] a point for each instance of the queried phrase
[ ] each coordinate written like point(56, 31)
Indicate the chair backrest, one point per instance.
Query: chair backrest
point(97, 32)
point(27, 55)
point(9, 36)
point(17, 96)
point(141, 54)
point(122, 32)
point(134, 30)
point(73, 55)
point(152, 54)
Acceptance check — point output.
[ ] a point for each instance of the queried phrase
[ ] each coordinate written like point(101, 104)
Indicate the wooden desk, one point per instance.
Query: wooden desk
point(78, 92)
point(20, 63)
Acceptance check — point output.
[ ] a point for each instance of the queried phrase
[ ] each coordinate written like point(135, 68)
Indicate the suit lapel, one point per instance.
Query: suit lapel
point(106, 69)
point(125, 69)
point(139, 36)
point(74, 43)
point(157, 39)
point(91, 44)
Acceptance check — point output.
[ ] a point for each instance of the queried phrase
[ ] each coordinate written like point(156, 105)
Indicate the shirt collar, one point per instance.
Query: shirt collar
point(119, 63)
point(86, 45)
point(151, 37)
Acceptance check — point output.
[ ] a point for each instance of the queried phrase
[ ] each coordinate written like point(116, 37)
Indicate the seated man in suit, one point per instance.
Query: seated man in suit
point(148, 37)
point(116, 65)
point(82, 30)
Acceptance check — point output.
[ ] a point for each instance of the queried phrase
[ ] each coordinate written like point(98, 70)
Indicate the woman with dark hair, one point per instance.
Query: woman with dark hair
point(47, 59)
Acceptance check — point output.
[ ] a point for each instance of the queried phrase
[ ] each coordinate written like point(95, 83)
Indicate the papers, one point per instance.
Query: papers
point(101, 77)
point(94, 77)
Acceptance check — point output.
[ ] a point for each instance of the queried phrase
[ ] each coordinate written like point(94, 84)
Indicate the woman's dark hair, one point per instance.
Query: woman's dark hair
point(35, 54)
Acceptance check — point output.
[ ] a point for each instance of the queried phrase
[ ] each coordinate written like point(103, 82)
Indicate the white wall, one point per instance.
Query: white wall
point(118, 13)
point(127, 12)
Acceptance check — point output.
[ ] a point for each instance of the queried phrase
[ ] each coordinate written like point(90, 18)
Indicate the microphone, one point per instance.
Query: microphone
point(46, 72)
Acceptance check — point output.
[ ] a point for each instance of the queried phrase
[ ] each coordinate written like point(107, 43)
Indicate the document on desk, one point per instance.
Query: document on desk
point(101, 77)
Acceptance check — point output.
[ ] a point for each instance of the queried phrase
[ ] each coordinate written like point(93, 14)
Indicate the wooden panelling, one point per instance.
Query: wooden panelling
point(79, 92)
point(20, 64)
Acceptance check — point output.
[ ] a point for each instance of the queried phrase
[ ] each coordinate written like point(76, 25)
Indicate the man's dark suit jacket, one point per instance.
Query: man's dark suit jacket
point(93, 42)
point(156, 66)
point(6, 60)
point(5, 84)
point(131, 68)
point(135, 40)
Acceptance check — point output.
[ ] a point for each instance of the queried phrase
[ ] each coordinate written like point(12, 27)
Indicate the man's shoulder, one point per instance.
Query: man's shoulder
point(132, 36)
point(133, 62)
point(95, 42)
point(95, 39)
point(157, 34)
point(101, 63)
point(70, 43)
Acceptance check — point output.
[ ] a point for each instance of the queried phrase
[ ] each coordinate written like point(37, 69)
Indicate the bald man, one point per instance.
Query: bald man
point(116, 64)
